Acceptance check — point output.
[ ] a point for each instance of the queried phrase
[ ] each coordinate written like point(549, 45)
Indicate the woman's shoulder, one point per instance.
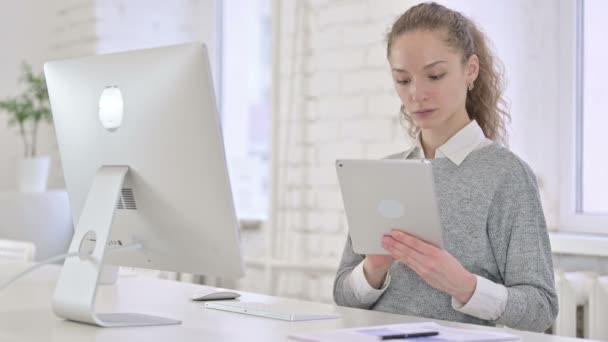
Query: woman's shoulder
point(508, 162)
point(494, 156)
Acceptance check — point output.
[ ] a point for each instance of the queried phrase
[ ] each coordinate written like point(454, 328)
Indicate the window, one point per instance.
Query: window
point(585, 119)
point(245, 103)
point(593, 193)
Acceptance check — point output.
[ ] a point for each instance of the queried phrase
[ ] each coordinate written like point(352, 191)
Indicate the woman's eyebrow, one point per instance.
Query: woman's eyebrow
point(430, 65)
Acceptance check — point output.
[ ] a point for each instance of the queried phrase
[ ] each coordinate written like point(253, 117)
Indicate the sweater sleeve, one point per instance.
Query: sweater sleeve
point(346, 290)
point(520, 242)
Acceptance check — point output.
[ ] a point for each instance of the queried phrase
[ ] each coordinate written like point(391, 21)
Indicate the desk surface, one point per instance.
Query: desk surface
point(26, 315)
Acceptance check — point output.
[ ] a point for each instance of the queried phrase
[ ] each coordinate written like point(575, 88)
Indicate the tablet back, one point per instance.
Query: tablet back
point(381, 195)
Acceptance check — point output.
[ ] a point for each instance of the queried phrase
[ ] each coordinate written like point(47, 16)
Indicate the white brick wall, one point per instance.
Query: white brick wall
point(369, 129)
point(345, 106)
point(74, 31)
point(133, 24)
point(345, 12)
point(342, 112)
point(340, 107)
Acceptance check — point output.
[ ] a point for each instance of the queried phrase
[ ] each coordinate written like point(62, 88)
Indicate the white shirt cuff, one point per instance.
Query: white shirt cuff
point(488, 301)
point(364, 292)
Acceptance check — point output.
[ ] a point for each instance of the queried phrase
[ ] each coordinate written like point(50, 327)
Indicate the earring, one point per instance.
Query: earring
point(471, 86)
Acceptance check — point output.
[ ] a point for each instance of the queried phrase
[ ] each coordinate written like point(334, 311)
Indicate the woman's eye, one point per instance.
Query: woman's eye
point(436, 77)
point(403, 82)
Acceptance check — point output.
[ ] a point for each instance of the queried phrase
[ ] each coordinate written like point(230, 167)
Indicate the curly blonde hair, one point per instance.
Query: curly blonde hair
point(485, 102)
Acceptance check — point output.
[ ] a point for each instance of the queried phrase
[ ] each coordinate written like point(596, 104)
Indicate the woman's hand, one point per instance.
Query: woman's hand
point(375, 268)
point(435, 266)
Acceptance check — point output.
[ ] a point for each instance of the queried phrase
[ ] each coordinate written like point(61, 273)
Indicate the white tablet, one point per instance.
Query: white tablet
point(387, 194)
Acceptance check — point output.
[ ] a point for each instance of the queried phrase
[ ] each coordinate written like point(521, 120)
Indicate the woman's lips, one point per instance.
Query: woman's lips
point(424, 113)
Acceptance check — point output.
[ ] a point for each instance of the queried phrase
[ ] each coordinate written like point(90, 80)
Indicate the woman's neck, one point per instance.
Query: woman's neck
point(432, 139)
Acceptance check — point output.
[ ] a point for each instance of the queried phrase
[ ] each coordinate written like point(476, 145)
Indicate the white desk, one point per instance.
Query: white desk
point(25, 314)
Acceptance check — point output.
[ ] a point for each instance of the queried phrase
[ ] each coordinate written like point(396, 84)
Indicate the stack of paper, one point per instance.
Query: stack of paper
point(376, 333)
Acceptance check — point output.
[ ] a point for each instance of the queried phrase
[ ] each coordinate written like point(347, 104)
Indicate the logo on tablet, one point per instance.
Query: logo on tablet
point(390, 209)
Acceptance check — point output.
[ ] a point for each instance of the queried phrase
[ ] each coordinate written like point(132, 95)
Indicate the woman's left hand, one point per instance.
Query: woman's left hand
point(435, 266)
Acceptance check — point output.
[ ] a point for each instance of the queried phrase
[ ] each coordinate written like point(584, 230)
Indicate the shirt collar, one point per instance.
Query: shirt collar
point(456, 149)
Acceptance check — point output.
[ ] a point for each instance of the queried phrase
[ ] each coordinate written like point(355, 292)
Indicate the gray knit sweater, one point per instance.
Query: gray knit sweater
point(494, 225)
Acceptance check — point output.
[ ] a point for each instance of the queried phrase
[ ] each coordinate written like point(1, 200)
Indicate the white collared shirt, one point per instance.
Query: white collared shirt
point(489, 299)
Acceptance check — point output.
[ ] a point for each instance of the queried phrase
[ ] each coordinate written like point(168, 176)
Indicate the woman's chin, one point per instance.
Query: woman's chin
point(425, 123)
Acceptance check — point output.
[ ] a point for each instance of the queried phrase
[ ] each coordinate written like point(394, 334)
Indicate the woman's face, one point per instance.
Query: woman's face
point(430, 78)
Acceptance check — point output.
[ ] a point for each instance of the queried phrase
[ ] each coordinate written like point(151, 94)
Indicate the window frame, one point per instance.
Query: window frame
point(571, 217)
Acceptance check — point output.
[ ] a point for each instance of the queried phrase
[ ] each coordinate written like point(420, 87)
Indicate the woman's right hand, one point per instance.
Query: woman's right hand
point(375, 268)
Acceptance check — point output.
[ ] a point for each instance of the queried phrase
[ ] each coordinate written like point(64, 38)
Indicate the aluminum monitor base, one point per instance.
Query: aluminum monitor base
point(74, 297)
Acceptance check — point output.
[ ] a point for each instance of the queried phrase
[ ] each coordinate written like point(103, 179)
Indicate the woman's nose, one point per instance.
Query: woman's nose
point(417, 92)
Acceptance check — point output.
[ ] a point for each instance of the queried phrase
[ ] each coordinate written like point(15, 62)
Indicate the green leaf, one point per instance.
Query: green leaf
point(33, 104)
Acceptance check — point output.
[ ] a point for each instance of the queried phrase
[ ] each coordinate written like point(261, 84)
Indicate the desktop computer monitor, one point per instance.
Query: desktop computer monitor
point(143, 159)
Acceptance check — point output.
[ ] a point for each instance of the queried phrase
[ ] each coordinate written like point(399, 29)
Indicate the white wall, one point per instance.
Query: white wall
point(27, 32)
point(122, 25)
point(343, 105)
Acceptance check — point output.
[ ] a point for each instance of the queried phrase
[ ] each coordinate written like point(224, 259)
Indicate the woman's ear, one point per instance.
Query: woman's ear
point(472, 69)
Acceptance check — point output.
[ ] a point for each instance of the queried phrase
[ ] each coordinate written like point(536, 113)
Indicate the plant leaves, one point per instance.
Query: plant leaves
point(32, 105)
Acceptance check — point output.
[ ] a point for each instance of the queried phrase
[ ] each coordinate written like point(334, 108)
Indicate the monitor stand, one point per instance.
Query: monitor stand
point(74, 297)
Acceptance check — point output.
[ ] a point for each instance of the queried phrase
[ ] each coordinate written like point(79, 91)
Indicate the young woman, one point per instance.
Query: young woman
point(496, 267)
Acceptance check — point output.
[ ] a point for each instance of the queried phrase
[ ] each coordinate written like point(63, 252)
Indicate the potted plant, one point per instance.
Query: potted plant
point(26, 111)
